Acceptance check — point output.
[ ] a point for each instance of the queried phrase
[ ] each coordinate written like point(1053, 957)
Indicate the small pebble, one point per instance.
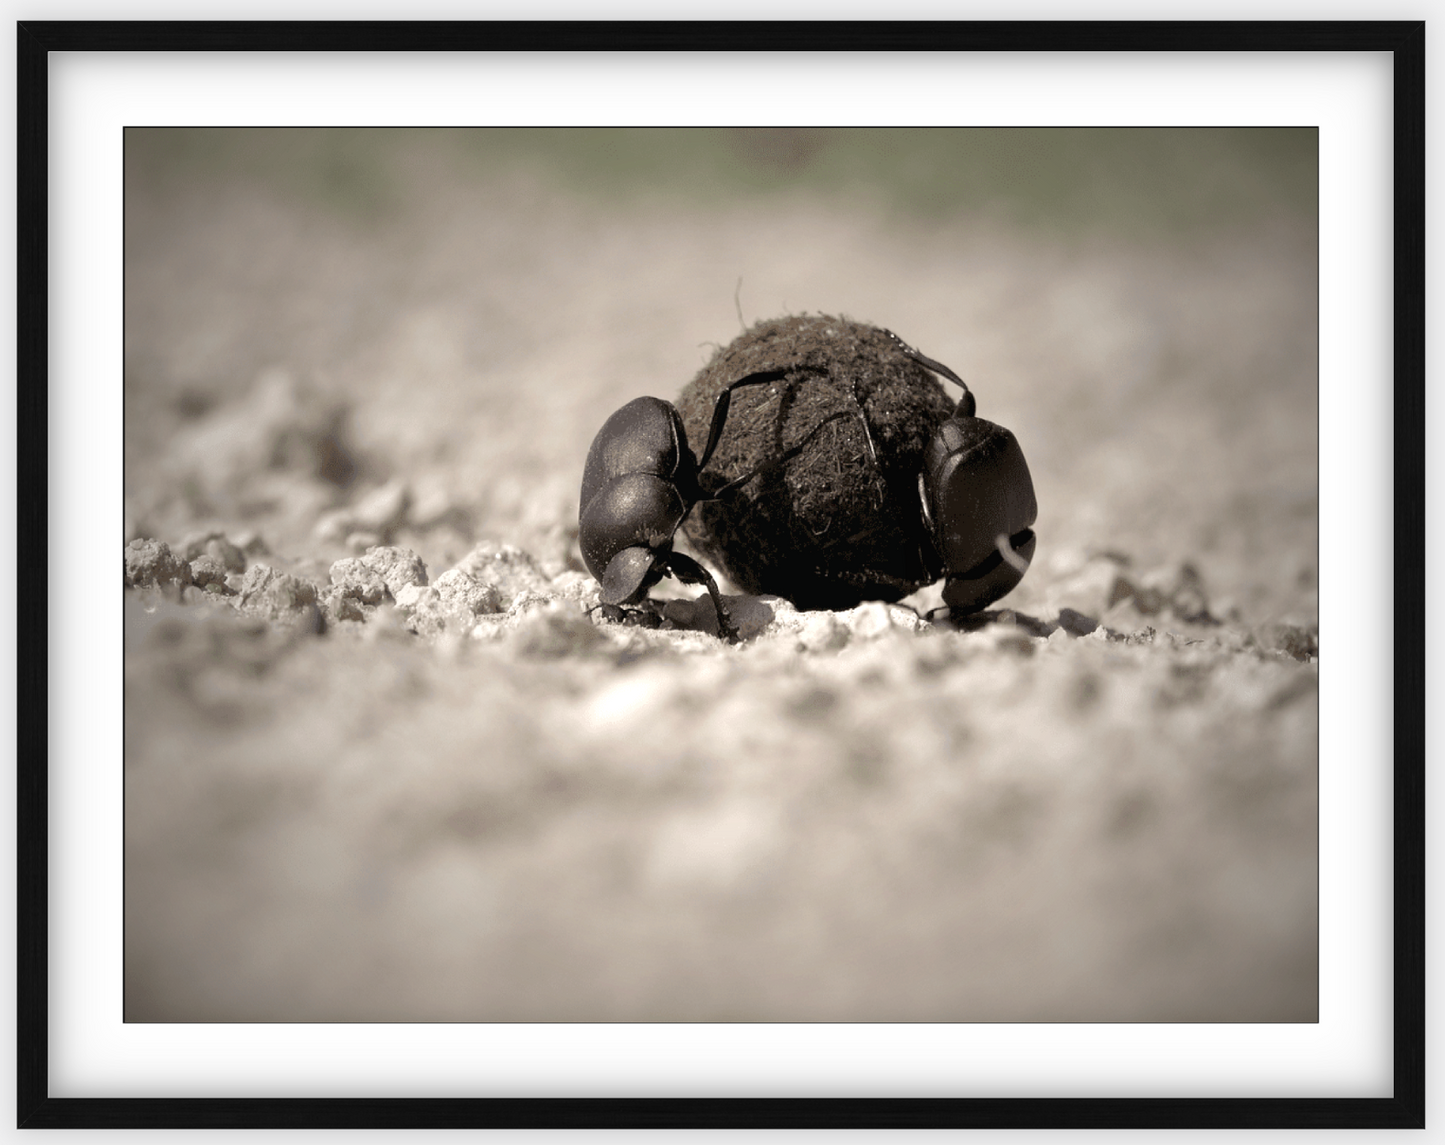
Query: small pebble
point(207, 571)
point(356, 579)
point(276, 595)
point(1076, 623)
point(396, 567)
point(870, 620)
point(462, 592)
point(822, 632)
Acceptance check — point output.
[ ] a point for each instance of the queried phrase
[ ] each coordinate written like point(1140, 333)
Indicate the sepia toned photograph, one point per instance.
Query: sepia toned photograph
point(721, 575)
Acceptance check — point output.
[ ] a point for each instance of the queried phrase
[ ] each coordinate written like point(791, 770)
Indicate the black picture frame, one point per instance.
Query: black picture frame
point(1405, 41)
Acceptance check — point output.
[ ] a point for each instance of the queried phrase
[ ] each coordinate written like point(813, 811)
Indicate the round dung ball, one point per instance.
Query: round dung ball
point(837, 522)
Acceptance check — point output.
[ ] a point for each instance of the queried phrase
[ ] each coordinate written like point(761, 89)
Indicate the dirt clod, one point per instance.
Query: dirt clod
point(396, 567)
point(274, 595)
point(1076, 623)
point(358, 580)
point(507, 568)
point(208, 572)
point(453, 603)
point(151, 563)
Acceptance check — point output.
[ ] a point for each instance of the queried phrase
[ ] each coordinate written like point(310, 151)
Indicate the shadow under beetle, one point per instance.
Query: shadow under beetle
point(978, 502)
point(639, 484)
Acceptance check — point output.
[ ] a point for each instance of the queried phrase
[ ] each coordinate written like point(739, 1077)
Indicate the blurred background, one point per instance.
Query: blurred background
point(412, 335)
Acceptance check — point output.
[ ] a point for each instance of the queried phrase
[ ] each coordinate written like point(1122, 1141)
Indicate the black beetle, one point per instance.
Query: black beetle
point(639, 484)
point(978, 501)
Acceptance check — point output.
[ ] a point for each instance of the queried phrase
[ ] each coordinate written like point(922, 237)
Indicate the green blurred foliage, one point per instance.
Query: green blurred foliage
point(1125, 181)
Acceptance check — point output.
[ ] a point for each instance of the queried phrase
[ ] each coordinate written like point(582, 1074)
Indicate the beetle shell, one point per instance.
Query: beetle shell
point(637, 473)
point(644, 436)
point(978, 484)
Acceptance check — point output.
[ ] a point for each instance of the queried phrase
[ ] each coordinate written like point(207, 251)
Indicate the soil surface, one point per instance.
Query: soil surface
point(382, 764)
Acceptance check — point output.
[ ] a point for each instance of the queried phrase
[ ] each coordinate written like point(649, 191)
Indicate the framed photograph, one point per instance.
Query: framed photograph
point(721, 575)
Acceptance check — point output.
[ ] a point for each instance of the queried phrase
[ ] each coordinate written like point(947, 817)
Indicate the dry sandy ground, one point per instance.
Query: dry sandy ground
point(455, 797)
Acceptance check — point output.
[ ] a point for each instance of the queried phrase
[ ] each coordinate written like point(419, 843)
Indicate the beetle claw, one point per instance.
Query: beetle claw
point(638, 617)
point(726, 629)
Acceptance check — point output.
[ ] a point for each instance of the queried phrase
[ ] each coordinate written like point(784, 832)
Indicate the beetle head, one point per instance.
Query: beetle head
point(631, 573)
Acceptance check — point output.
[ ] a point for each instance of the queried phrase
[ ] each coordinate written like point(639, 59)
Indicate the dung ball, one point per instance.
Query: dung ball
point(837, 523)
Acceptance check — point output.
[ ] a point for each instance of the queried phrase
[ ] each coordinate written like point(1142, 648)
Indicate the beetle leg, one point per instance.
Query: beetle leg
point(867, 430)
point(781, 459)
point(614, 613)
point(923, 502)
point(643, 617)
point(689, 571)
point(966, 404)
point(724, 401)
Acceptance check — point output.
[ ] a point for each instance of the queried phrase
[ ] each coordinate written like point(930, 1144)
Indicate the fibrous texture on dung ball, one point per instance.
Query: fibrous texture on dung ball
point(831, 526)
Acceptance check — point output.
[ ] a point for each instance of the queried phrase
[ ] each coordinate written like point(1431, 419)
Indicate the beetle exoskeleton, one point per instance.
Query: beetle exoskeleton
point(978, 502)
point(638, 484)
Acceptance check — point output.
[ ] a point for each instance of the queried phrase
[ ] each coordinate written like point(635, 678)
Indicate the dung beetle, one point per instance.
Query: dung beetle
point(639, 484)
point(978, 501)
